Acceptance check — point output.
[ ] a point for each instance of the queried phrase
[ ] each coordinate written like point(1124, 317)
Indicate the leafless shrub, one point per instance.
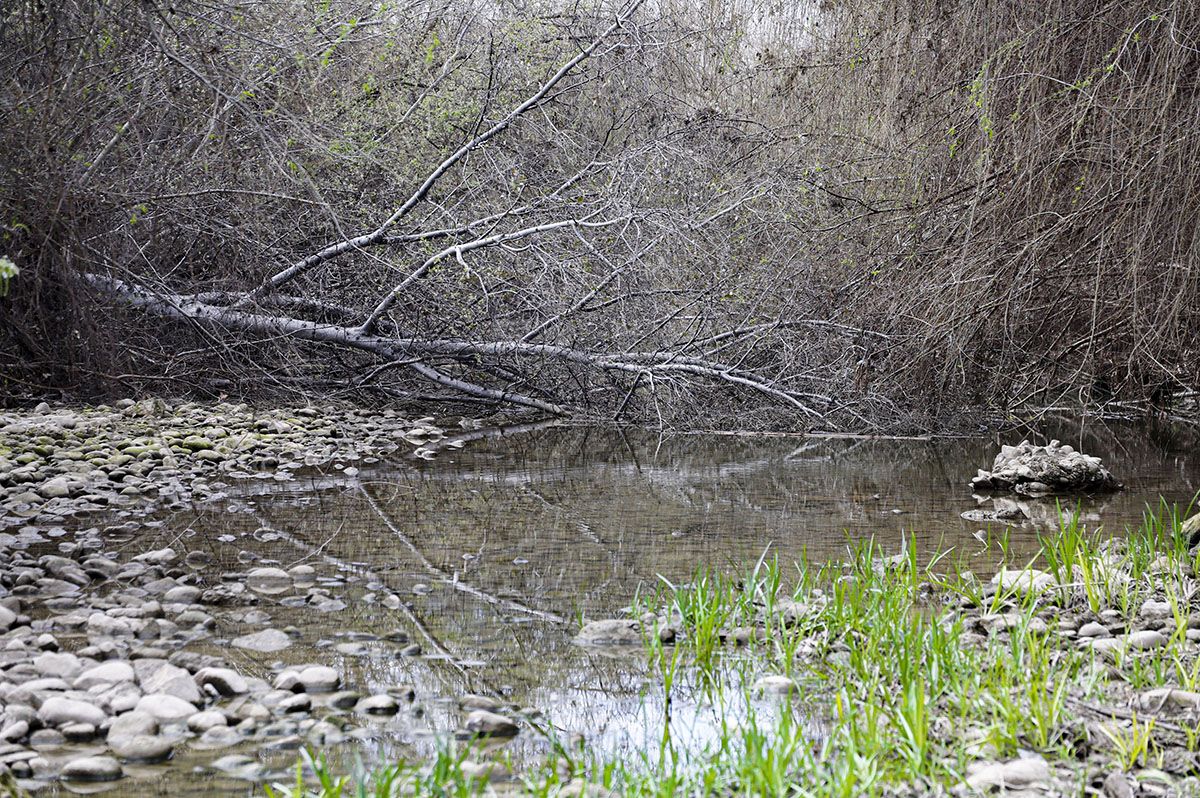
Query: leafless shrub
point(863, 214)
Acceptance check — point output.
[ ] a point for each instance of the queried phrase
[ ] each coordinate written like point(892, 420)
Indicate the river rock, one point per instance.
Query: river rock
point(618, 632)
point(16, 730)
point(981, 515)
point(142, 748)
point(291, 742)
point(7, 618)
point(1093, 629)
point(1039, 470)
point(29, 691)
point(1145, 639)
point(101, 625)
point(158, 557)
point(1109, 647)
point(1015, 774)
point(93, 768)
point(209, 719)
point(121, 697)
point(239, 765)
point(56, 488)
point(183, 594)
point(107, 673)
point(226, 681)
point(1152, 610)
point(163, 677)
point(269, 581)
point(1116, 785)
point(1191, 530)
point(219, 737)
point(59, 711)
point(323, 734)
point(165, 707)
point(1023, 580)
point(378, 705)
point(196, 443)
point(1161, 698)
point(265, 642)
point(472, 701)
point(486, 723)
point(313, 679)
point(303, 573)
point(775, 685)
point(319, 679)
point(132, 724)
point(48, 738)
point(344, 699)
point(78, 732)
point(62, 666)
point(300, 702)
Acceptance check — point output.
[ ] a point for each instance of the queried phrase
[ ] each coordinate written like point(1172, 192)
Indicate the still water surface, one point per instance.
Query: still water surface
point(497, 551)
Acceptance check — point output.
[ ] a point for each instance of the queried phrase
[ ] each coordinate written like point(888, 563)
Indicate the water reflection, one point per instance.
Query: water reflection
point(495, 552)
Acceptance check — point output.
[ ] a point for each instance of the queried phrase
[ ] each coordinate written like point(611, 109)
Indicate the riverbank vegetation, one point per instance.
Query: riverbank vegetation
point(857, 215)
point(887, 675)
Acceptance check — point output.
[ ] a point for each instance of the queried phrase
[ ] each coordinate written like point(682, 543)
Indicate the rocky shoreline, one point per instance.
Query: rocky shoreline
point(100, 676)
point(132, 646)
point(56, 463)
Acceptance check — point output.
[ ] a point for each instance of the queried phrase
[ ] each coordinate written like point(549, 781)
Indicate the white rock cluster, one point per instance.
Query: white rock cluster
point(1039, 470)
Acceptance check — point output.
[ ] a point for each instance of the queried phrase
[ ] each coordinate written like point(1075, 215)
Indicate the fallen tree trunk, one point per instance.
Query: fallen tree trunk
point(188, 308)
point(413, 350)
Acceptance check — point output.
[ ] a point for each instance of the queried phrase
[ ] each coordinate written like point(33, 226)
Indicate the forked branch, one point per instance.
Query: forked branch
point(378, 235)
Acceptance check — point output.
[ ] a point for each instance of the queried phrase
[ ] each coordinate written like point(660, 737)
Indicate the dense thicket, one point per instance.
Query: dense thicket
point(864, 213)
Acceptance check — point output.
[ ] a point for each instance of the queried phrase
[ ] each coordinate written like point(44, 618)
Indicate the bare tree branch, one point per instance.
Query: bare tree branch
point(377, 235)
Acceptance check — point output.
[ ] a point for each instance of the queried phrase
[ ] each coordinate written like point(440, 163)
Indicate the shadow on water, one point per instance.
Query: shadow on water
point(496, 551)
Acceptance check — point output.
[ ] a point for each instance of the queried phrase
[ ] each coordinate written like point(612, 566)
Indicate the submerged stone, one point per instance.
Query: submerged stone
point(93, 768)
point(775, 685)
point(471, 701)
point(270, 581)
point(485, 723)
point(620, 632)
point(142, 748)
point(267, 641)
point(378, 705)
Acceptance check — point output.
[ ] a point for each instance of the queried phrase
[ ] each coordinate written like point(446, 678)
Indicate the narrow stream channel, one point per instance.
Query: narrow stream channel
point(493, 554)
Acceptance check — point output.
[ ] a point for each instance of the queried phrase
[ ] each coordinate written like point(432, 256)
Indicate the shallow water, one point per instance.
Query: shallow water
point(511, 540)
